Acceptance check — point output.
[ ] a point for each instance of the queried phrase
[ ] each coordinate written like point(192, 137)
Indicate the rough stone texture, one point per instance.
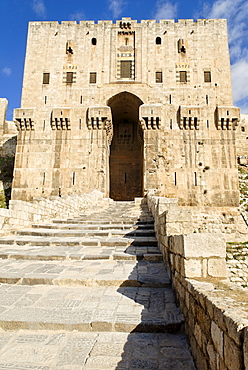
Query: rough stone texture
point(182, 131)
point(215, 311)
point(8, 132)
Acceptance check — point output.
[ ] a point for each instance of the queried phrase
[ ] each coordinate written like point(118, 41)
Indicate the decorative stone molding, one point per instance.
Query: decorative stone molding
point(100, 118)
point(150, 116)
point(189, 117)
point(60, 119)
point(24, 119)
point(227, 118)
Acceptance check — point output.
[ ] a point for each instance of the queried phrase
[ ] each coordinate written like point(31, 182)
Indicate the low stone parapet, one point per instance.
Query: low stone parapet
point(215, 311)
point(21, 213)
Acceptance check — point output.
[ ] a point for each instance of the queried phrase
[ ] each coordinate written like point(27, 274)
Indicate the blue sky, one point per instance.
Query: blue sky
point(15, 15)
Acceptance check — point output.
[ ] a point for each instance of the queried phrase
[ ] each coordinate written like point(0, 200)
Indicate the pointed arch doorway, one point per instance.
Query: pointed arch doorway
point(126, 151)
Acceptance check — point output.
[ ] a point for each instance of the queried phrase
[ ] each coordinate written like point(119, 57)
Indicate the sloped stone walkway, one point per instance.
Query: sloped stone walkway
point(89, 293)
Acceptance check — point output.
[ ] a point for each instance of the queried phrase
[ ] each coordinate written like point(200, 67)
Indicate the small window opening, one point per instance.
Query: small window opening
point(207, 124)
point(73, 178)
point(170, 99)
point(175, 179)
point(171, 124)
point(126, 69)
point(207, 76)
point(45, 99)
point(207, 99)
point(183, 76)
point(92, 77)
point(44, 125)
point(126, 41)
point(93, 41)
point(242, 129)
point(80, 124)
point(158, 40)
point(81, 99)
point(44, 178)
point(159, 77)
point(69, 77)
point(227, 112)
point(46, 78)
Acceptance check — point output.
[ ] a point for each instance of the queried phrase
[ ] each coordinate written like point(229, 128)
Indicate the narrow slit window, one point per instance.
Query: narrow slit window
point(207, 124)
point(183, 76)
point(45, 99)
point(80, 124)
point(170, 99)
point(44, 178)
point(159, 77)
point(73, 178)
point(46, 78)
point(92, 77)
point(195, 178)
point(81, 99)
point(69, 77)
point(171, 124)
point(207, 76)
point(175, 178)
point(207, 99)
point(44, 125)
point(93, 41)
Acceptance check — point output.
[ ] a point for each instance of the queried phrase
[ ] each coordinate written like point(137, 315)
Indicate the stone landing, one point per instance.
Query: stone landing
point(89, 293)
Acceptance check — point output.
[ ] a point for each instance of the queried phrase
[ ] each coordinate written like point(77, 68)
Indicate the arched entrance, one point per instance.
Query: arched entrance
point(126, 151)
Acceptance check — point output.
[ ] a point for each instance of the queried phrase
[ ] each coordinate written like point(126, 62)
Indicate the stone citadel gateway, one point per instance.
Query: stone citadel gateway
point(126, 107)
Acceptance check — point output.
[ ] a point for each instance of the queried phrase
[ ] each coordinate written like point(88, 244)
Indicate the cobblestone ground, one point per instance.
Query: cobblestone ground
point(89, 293)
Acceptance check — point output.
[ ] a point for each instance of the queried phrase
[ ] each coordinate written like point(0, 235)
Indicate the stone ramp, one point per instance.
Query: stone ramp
point(95, 302)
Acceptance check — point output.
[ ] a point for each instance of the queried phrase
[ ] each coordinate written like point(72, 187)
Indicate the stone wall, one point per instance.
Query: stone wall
point(215, 312)
point(179, 220)
point(22, 213)
point(75, 99)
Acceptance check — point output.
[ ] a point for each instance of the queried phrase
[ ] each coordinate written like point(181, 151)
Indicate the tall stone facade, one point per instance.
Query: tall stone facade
point(127, 107)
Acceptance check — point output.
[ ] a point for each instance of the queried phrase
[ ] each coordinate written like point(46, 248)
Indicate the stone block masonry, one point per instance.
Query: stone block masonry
point(98, 112)
point(215, 312)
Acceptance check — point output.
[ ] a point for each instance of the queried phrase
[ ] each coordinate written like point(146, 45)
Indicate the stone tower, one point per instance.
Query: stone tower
point(126, 107)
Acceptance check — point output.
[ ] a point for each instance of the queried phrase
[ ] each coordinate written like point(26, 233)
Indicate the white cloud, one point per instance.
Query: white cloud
point(116, 6)
point(77, 16)
point(6, 71)
point(165, 10)
point(236, 13)
point(39, 7)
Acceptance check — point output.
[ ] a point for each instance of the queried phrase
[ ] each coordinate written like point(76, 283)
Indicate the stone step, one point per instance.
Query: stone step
point(46, 350)
point(95, 226)
point(93, 241)
point(76, 252)
point(86, 233)
point(122, 309)
point(84, 273)
point(104, 221)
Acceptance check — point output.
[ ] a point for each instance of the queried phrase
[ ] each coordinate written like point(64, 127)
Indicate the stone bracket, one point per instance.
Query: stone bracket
point(227, 118)
point(189, 117)
point(150, 116)
point(60, 119)
point(24, 119)
point(100, 118)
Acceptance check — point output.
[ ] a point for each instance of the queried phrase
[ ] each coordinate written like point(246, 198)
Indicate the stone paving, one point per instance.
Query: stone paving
point(89, 293)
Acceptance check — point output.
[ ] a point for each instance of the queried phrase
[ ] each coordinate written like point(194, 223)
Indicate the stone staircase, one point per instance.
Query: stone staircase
point(89, 293)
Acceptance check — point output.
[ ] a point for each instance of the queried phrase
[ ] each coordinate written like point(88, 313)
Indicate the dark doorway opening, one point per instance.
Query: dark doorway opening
point(126, 151)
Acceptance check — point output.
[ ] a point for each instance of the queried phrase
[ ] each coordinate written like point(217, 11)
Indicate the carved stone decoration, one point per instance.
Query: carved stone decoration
point(227, 118)
point(189, 117)
point(100, 118)
point(150, 116)
point(24, 119)
point(60, 119)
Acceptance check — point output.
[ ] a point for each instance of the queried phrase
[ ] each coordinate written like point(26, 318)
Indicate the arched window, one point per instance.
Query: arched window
point(93, 41)
point(158, 40)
